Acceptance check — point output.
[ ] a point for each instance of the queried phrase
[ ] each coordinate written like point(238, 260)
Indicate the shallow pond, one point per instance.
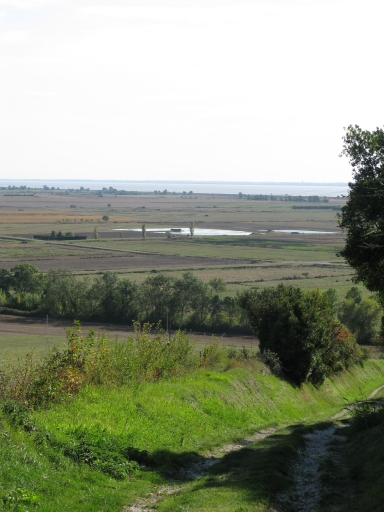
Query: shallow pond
point(198, 231)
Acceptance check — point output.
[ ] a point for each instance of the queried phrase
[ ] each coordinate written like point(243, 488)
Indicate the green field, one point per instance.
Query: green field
point(15, 346)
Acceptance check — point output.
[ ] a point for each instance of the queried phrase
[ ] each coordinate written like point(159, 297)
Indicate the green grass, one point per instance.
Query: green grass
point(58, 483)
point(167, 424)
point(174, 421)
point(17, 346)
point(245, 480)
point(364, 457)
point(204, 249)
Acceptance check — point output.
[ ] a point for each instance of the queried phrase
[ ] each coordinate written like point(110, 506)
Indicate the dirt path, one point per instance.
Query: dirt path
point(307, 488)
point(319, 446)
point(10, 324)
point(196, 470)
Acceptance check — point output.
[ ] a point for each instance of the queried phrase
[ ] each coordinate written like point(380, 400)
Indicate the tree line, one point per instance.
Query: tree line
point(184, 302)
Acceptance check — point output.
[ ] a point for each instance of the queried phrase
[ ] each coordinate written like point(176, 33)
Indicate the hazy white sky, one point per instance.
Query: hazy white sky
point(186, 89)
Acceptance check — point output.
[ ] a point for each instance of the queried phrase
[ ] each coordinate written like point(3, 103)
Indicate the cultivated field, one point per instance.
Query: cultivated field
point(265, 258)
point(261, 259)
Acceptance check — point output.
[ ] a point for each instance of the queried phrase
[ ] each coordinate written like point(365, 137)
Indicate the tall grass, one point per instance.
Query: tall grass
point(98, 360)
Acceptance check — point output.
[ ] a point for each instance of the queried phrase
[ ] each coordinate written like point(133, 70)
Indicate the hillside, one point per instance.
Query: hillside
point(75, 455)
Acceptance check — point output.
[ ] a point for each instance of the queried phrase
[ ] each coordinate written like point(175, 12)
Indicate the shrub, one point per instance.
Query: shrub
point(299, 327)
point(140, 357)
point(215, 355)
point(56, 378)
point(271, 359)
point(366, 414)
point(362, 316)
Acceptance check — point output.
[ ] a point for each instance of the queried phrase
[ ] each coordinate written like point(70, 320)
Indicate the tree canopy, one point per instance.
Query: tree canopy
point(300, 328)
point(363, 215)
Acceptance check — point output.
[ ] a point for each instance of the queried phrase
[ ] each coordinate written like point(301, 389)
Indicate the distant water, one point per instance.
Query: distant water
point(197, 231)
point(199, 187)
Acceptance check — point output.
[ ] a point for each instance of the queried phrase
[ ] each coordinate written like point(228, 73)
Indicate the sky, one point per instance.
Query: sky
point(186, 89)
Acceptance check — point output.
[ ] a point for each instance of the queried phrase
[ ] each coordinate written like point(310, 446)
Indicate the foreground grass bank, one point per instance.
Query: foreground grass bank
point(162, 427)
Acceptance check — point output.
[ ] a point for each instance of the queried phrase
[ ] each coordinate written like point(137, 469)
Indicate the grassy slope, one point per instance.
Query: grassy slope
point(173, 420)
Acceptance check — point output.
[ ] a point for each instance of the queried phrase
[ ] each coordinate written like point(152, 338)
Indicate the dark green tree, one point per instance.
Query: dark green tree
point(218, 284)
point(105, 297)
point(299, 326)
point(27, 278)
point(354, 294)
point(6, 280)
point(128, 301)
point(156, 297)
point(64, 295)
point(362, 217)
point(333, 300)
point(361, 316)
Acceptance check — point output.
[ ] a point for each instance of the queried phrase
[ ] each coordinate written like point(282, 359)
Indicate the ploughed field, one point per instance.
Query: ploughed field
point(263, 258)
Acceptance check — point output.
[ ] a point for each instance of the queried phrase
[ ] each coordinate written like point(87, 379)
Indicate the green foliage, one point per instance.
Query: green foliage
point(93, 447)
point(185, 302)
point(333, 300)
point(60, 375)
point(366, 414)
point(55, 378)
point(272, 360)
point(364, 458)
point(140, 357)
point(63, 295)
point(12, 499)
point(363, 215)
point(164, 425)
point(354, 294)
point(99, 450)
point(23, 301)
point(362, 317)
point(218, 284)
point(27, 278)
point(6, 280)
point(300, 328)
point(215, 355)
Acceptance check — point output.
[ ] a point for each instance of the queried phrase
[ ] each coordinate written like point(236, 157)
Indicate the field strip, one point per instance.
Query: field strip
point(77, 246)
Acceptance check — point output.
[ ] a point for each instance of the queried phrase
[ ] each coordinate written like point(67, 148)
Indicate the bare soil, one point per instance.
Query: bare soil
point(10, 324)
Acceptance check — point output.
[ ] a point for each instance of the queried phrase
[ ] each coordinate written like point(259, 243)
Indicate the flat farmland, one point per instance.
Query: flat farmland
point(22, 336)
point(264, 258)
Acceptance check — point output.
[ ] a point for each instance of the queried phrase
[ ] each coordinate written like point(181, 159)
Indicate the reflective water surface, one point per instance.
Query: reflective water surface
point(198, 231)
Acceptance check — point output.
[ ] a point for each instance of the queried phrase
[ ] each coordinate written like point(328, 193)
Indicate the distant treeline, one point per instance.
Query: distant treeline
point(58, 235)
point(184, 302)
point(16, 195)
point(316, 207)
point(286, 197)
